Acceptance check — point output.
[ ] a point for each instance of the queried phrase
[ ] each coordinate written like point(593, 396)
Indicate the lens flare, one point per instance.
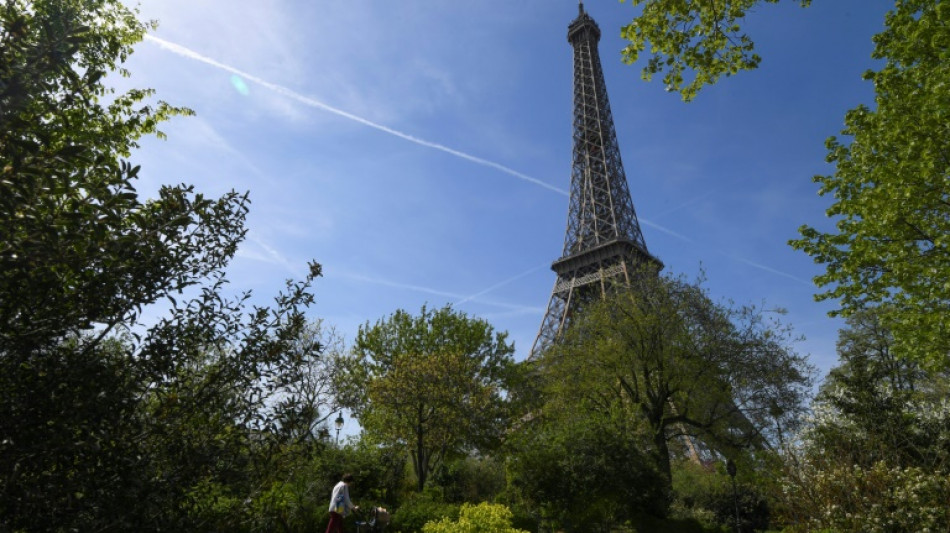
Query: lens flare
point(239, 84)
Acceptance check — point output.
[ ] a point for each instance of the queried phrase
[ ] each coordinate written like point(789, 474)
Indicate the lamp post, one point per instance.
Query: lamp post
point(339, 425)
point(731, 468)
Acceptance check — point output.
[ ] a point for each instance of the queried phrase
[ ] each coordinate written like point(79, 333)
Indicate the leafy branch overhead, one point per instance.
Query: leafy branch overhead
point(692, 43)
point(890, 247)
point(891, 199)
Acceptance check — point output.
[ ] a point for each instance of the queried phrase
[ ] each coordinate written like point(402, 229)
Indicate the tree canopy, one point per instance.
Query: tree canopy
point(880, 428)
point(701, 39)
point(665, 362)
point(888, 407)
point(434, 383)
point(584, 466)
point(110, 422)
point(891, 244)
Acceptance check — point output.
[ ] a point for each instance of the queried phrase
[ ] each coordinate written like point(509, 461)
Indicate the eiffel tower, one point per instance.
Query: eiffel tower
point(603, 243)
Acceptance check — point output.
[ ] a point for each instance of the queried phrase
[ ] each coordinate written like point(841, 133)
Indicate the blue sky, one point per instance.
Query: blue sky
point(420, 150)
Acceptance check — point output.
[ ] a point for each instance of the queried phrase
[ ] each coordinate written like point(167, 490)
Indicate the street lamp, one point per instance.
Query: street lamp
point(339, 425)
point(731, 468)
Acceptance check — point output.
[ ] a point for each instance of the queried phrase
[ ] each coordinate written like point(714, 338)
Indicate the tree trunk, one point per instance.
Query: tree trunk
point(422, 462)
point(663, 458)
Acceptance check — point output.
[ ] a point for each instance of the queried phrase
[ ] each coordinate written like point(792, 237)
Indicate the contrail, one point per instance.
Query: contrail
point(766, 268)
point(499, 285)
point(274, 257)
point(398, 285)
point(685, 204)
point(311, 102)
point(668, 231)
point(436, 292)
point(191, 54)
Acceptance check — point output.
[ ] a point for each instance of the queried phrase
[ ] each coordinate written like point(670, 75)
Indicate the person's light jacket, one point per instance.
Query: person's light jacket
point(340, 499)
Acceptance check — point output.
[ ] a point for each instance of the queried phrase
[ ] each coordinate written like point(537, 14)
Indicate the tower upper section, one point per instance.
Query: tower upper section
point(583, 27)
point(603, 244)
point(601, 209)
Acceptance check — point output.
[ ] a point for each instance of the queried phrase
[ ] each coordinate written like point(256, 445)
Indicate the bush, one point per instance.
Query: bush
point(212, 503)
point(652, 524)
point(471, 479)
point(753, 509)
point(523, 518)
point(582, 474)
point(421, 509)
point(692, 486)
point(481, 518)
point(706, 496)
point(876, 499)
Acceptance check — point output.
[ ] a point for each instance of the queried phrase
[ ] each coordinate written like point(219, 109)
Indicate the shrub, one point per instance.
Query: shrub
point(471, 479)
point(481, 518)
point(706, 496)
point(876, 499)
point(420, 509)
point(212, 503)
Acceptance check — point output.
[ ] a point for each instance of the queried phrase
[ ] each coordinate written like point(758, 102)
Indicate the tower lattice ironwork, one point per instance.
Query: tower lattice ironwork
point(603, 241)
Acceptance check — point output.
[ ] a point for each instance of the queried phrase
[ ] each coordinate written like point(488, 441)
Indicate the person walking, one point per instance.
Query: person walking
point(340, 504)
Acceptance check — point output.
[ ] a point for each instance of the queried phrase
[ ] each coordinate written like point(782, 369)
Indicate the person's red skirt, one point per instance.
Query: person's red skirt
point(336, 523)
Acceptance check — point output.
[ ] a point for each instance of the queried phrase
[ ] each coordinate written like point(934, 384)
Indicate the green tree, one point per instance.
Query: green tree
point(577, 467)
point(890, 246)
point(669, 363)
point(471, 478)
point(891, 188)
point(109, 423)
point(877, 406)
point(880, 429)
point(65, 189)
point(434, 383)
